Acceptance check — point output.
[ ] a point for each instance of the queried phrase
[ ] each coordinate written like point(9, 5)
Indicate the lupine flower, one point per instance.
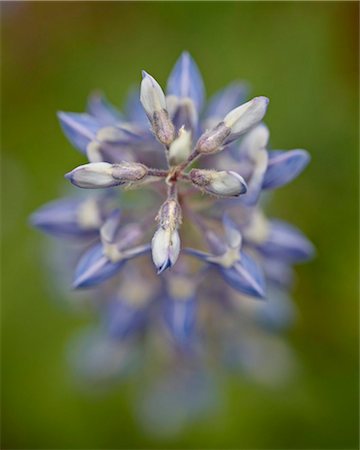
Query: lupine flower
point(188, 256)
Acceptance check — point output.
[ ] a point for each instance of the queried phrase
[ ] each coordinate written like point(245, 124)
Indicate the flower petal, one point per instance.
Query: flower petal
point(61, 218)
point(278, 312)
point(226, 100)
point(123, 319)
point(245, 276)
point(103, 111)
point(99, 361)
point(287, 243)
point(278, 272)
point(232, 233)
point(183, 113)
point(253, 149)
point(134, 109)
point(80, 129)
point(284, 167)
point(111, 227)
point(180, 319)
point(94, 268)
point(185, 81)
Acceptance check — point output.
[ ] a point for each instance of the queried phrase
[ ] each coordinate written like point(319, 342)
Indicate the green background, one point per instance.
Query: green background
point(303, 56)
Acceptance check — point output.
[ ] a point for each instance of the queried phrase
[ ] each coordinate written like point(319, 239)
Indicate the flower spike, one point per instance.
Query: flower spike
point(206, 307)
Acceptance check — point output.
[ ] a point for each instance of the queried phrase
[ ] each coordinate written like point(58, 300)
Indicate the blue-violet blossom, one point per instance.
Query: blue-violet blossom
point(221, 266)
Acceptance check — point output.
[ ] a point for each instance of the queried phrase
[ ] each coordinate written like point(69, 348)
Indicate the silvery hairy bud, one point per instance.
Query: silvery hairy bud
point(222, 184)
point(234, 124)
point(212, 141)
point(165, 244)
point(103, 175)
point(153, 100)
point(180, 149)
point(242, 118)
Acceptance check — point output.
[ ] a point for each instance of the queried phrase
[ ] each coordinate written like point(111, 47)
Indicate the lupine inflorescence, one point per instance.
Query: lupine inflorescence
point(198, 171)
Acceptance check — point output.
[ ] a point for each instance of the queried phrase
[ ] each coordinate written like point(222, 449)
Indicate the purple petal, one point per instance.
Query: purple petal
point(111, 227)
point(80, 129)
point(180, 319)
point(98, 361)
point(203, 256)
point(122, 319)
point(184, 114)
point(185, 81)
point(232, 233)
point(278, 312)
point(278, 272)
point(245, 276)
point(227, 99)
point(134, 109)
point(60, 218)
point(94, 268)
point(286, 243)
point(103, 111)
point(283, 167)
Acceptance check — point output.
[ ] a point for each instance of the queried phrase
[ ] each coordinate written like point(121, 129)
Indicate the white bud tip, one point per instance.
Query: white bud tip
point(247, 115)
point(92, 176)
point(165, 247)
point(151, 95)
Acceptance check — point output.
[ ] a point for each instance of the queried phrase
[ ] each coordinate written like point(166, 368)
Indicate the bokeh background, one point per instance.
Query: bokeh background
point(304, 57)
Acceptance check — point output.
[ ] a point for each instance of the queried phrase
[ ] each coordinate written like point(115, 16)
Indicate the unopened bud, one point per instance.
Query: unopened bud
point(103, 175)
point(165, 244)
point(152, 96)
point(247, 115)
point(153, 100)
point(212, 141)
point(180, 149)
point(221, 184)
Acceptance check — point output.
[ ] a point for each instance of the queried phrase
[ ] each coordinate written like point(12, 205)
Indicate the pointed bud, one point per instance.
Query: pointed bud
point(165, 247)
point(235, 123)
point(152, 96)
point(180, 149)
point(247, 115)
point(166, 241)
point(221, 184)
point(153, 100)
point(103, 175)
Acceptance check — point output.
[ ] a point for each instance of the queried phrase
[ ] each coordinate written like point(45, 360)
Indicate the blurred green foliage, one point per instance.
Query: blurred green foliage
point(304, 57)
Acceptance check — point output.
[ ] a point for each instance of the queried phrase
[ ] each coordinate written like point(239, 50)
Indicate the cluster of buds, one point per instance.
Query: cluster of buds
point(215, 255)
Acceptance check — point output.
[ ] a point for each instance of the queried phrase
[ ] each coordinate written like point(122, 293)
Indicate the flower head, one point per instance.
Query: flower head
point(195, 217)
